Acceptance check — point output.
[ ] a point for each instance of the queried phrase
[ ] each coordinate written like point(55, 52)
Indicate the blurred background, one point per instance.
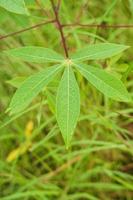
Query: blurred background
point(34, 164)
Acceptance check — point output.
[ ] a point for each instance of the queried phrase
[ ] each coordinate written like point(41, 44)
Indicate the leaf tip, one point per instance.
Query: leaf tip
point(127, 47)
point(126, 98)
point(8, 110)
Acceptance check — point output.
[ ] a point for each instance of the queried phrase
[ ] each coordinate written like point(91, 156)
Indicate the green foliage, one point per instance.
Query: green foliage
point(68, 104)
point(104, 82)
point(36, 54)
point(31, 87)
point(15, 6)
point(98, 51)
point(34, 162)
point(16, 82)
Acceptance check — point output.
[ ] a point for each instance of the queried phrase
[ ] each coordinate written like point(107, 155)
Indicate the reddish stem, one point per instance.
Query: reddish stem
point(57, 20)
point(65, 25)
point(61, 26)
point(97, 25)
point(26, 29)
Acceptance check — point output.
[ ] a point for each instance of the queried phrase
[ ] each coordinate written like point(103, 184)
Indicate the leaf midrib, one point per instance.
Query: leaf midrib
point(100, 80)
point(89, 57)
point(38, 84)
point(40, 57)
point(68, 78)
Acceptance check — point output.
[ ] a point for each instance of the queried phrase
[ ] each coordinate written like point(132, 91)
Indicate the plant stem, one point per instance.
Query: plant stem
point(26, 29)
point(97, 25)
point(66, 25)
point(60, 28)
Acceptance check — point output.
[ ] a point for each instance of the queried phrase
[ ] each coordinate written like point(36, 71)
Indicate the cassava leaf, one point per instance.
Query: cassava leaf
point(98, 51)
point(67, 105)
point(15, 6)
point(16, 82)
point(104, 82)
point(35, 54)
point(31, 87)
point(51, 98)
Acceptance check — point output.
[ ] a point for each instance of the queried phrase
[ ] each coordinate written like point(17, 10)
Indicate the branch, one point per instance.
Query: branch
point(124, 26)
point(26, 29)
point(67, 25)
point(60, 28)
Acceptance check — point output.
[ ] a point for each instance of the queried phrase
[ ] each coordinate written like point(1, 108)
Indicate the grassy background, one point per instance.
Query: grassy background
point(34, 164)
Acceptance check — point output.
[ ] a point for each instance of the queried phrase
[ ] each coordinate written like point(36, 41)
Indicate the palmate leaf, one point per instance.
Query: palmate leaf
point(67, 105)
point(15, 6)
point(31, 87)
point(104, 82)
point(36, 54)
point(98, 51)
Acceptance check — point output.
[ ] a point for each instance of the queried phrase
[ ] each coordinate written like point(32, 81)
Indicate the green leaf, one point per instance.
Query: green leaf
point(31, 87)
point(104, 82)
point(51, 100)
point(98, 51)
point(67, 105)
point(16, 82)
point(127, 72)
point(15, 6)
point(36, 54)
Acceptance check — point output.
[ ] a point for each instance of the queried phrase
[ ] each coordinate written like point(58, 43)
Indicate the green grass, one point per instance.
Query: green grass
point(99, 164)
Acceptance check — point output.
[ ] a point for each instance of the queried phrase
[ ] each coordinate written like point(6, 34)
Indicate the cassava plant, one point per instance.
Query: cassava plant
point(67, 105)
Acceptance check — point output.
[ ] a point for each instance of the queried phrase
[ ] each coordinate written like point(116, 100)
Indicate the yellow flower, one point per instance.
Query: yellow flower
point(29, 129)
point(24, 146)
